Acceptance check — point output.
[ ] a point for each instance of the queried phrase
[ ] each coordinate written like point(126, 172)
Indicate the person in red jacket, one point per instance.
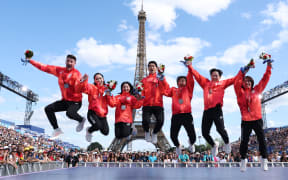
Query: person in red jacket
point(249, 103)
point(213, 92)
point(152, 103)
point(125, 102)
point(181, 110)
point(98, 104)
point(71, 101)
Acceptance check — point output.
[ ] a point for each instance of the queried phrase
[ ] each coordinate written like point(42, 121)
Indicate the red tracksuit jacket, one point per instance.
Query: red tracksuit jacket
point(71, 78)
point(181, 97)
point(248, 100)
point(97, 102)
point(213, 92)
point(152, 91)
point(124, 103)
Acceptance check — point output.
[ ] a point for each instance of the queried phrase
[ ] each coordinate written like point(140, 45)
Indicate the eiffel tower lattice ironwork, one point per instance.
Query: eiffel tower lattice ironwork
point(140, 73)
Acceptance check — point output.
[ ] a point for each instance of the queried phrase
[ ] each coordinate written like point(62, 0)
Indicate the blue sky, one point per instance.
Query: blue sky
point(103, 35)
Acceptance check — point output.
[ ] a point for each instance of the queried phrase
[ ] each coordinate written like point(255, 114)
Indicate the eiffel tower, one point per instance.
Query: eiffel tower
point(140, 73)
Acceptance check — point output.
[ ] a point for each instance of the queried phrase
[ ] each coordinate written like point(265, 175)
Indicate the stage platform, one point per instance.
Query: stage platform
point(92, 173)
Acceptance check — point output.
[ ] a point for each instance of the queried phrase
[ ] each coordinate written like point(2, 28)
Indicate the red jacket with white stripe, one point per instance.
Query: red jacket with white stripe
point(124, 103)
point(152, 91)
point(213, 92)
point(182, 96)
point(67, 80)
point(97, 102)
point(249, 100)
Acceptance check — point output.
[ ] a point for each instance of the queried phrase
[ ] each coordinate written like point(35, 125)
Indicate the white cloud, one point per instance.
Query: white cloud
point(267, 22)
point(123, 26)
point(277, 13)
point(282, 39)
point(172, 51)
point(230, 101)
point(239, 53)
point(94, 53)
point(162, 13)
point(246, 15)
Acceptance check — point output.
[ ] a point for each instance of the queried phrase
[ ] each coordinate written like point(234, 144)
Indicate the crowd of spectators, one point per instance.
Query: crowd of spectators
point(16, 149)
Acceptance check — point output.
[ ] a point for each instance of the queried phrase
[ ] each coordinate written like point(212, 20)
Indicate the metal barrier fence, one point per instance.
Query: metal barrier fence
point(176, 165)
point(7, 169)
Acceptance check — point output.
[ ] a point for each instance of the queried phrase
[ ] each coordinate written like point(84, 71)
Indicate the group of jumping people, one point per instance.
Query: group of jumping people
point(155, 86)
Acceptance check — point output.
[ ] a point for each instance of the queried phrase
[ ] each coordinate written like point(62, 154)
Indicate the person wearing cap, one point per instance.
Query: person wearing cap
point(197, 157)
point(181, 110)
point(71, 101)
point(213, 93)
point(152, 102)
point(72, 160)
point(46, 157)
point(251, 112)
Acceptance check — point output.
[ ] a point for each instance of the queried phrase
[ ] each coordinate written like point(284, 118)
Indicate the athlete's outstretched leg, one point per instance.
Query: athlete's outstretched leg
point(52, 108)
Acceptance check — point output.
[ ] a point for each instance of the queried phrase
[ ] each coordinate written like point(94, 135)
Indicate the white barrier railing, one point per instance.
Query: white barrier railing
point(175, 165)
point(7, 169)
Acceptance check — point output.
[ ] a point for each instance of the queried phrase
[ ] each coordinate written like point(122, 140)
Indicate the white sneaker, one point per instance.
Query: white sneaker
point(154, 138)
point(80, 125)
point(179, 150)
point(191, 147)
point(264, 164)
point(215, 149)
point(227, 148)
point(243, 165)
point(56, 133)
point(88, 135)
point(148, 137)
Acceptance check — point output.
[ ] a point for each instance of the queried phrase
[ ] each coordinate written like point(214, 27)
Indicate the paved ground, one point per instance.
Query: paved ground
point(90, 173)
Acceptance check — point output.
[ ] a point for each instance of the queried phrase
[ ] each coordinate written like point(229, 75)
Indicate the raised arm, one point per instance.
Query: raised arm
point(264, 81)
point(46, 68)
point(163, 84)
point(238, 82)
point(166, 90)
point(199, 78)
point(190, 80)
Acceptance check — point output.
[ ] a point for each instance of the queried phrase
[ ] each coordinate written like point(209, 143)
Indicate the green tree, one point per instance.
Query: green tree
point(94, 145)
